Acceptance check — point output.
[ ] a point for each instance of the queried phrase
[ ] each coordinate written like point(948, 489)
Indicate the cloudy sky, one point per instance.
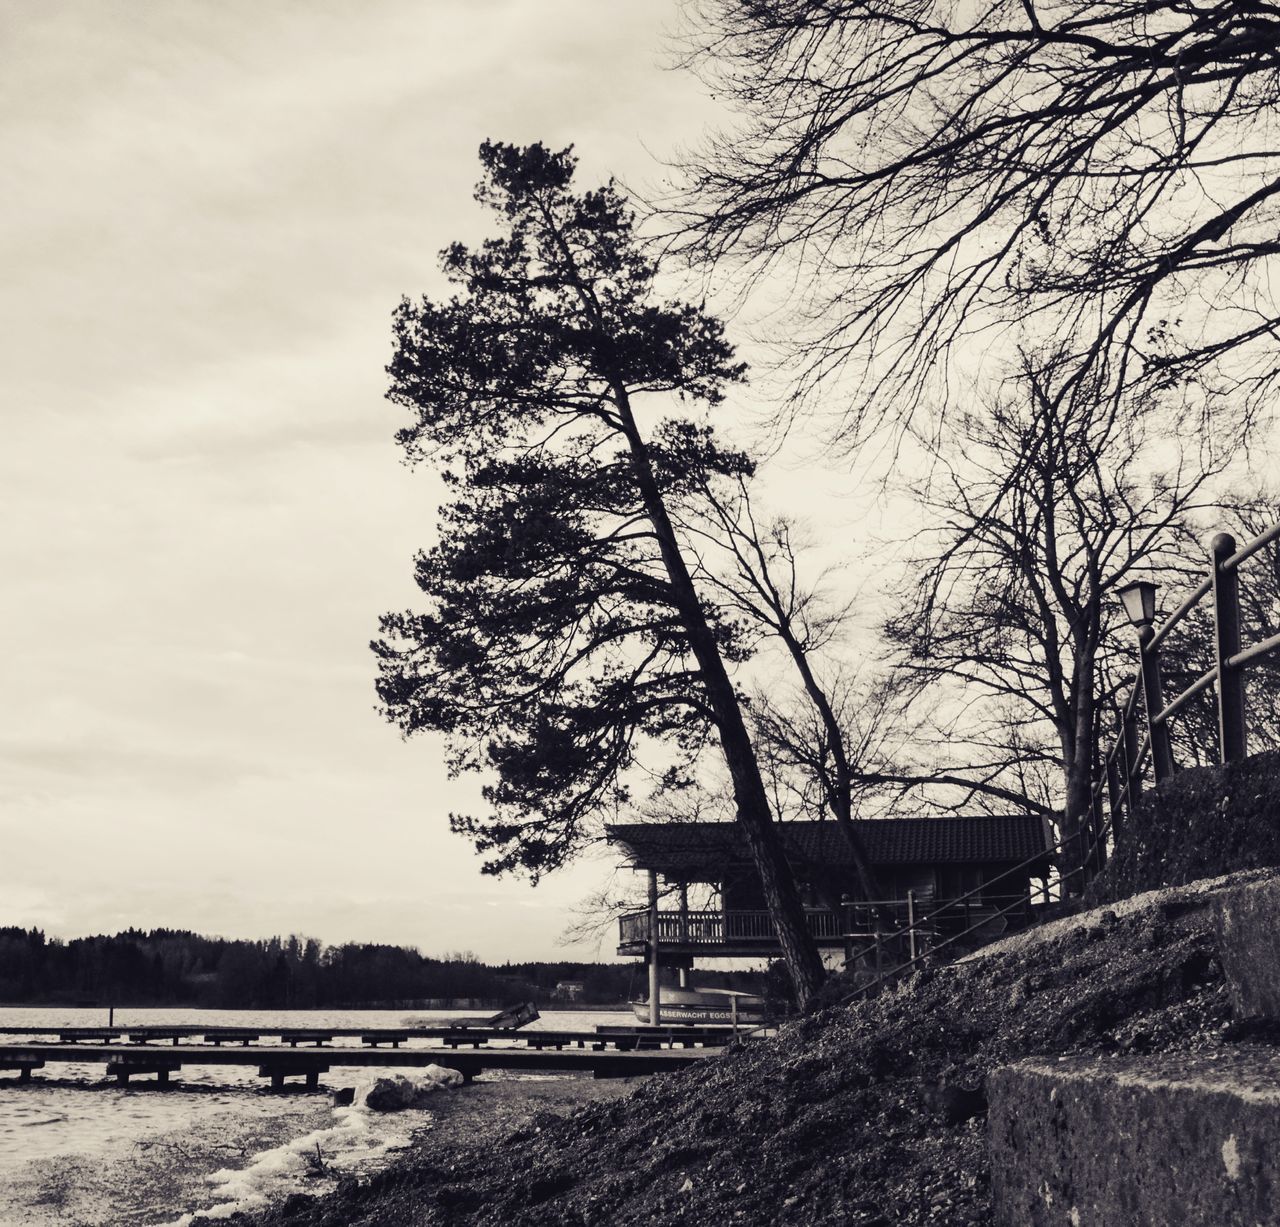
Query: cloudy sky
point(212, 209)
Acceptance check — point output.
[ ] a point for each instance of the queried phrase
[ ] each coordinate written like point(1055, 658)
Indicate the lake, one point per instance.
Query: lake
point(75, 1149)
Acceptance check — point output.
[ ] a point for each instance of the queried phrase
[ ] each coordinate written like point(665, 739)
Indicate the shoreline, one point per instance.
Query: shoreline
point(238, 1151)
point(868, 1114)
point(551, 1007)
point(463, 1120)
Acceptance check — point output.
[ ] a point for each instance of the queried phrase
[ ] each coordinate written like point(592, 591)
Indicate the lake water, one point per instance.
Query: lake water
point(75, 1149)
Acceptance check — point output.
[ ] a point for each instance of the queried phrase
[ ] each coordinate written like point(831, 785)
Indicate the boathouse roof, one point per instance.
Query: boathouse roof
point(695, 848)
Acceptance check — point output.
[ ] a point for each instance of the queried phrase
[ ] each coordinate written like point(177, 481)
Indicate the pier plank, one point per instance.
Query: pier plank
point(600, 1063)
point(622, 1037)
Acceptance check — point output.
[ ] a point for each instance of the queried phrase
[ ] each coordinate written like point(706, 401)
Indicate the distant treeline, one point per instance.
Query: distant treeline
point(173, 967)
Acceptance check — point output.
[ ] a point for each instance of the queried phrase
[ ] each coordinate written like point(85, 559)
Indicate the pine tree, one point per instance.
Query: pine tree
point(566, 637)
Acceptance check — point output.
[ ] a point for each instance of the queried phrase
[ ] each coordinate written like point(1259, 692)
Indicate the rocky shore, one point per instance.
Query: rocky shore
point(870, 1114)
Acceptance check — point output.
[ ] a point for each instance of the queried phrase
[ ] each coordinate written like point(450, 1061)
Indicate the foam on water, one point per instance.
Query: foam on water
point(318, 1159)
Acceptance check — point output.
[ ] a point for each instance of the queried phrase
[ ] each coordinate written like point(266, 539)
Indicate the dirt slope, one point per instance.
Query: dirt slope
point(864, 1115)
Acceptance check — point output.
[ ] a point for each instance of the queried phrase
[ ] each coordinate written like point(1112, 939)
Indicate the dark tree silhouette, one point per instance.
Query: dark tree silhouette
point(169, 967)
point(565, 631)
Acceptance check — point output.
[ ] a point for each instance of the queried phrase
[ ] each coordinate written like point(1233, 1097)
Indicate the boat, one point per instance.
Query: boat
point(510, 1019)
point(706, 1005)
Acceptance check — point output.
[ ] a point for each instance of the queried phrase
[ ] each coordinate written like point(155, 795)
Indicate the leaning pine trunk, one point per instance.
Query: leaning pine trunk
point(799, 950)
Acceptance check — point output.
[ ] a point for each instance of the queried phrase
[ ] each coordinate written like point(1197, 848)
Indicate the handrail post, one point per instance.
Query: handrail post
point(1132, 771)
point(1153, 701)
point(1113, 792)
point(1232, 739)
point(684, 929)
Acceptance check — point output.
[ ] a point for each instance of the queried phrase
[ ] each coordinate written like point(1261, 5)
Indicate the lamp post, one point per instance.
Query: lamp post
point(1139, 601)
point(1233, 743)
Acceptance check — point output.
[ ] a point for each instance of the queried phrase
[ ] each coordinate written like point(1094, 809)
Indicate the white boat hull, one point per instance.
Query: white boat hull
point(692, 1006)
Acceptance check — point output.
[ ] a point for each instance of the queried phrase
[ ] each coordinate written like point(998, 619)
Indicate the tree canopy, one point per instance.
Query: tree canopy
point(567, 648)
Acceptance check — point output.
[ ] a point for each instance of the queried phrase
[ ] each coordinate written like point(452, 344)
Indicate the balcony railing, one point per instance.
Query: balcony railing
point(717, 928)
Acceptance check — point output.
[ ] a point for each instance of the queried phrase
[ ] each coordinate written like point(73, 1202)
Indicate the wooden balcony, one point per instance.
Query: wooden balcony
point(745, 934)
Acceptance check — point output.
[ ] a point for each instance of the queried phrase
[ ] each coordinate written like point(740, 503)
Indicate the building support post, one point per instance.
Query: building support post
point(654, 990)
point(684, 928)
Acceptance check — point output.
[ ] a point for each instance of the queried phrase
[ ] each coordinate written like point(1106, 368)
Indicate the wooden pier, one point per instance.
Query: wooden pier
point(279, 1061)
point(308, 1052)
point(623, 1038)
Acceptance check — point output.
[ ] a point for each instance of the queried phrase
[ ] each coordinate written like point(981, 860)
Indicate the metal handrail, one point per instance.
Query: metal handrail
point(1234, 665)
point(1250, 548)
point(1197, 595)
point(1201, 683)
point(1131, 704)
point(1264, 648)
point(924, 954)
point(901, 967)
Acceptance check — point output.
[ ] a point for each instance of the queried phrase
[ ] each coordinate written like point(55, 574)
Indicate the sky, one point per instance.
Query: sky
point(211, 211)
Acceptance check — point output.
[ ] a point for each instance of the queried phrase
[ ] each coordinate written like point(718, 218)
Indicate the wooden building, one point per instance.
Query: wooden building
point(964, 880)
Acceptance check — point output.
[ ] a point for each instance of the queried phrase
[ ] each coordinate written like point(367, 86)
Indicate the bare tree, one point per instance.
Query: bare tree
point(1101, 170)
point(1040, 510)
point(835, 741)
point(762, 583)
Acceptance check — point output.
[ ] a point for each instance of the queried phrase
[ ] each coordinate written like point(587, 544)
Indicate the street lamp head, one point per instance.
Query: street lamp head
point(1139, 601)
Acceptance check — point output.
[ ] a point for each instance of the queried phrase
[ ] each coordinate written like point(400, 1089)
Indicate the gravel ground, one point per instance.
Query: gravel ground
point(869, 1115)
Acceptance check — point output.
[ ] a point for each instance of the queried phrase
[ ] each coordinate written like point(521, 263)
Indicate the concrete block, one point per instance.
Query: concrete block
point(1137, 1141)
point(1248, 924)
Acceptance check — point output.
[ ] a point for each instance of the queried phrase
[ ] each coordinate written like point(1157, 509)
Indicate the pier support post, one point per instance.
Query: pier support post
point(654, 990)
